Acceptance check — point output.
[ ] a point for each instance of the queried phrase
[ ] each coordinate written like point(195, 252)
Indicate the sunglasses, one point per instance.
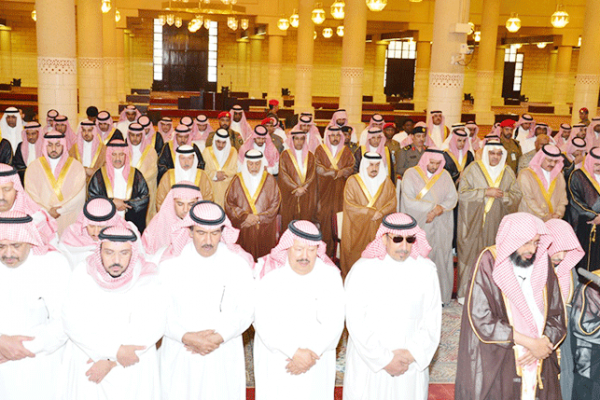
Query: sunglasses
point(400, 239)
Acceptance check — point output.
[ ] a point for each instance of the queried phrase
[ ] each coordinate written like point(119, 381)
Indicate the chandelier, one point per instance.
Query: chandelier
point(414, 1)
point(170, 19)
point(199, 13)
point(477, 36)
point(34, 15)
point(327, 33)
point(244, 23)
point(513, 24)
point(337, 9)
point(178, 22)
point(318, 14)
point(340, 31)
point(117, 16)
point(106, 6)
point(283, 24)
point(560, 18)
point(195, 24)
point(232, 23)
point(314, 35)
point(207, 22)
point(295, 19)
point(376, 5)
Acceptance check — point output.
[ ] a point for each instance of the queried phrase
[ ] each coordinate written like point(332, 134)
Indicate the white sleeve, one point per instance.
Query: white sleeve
point(426, 339)
point(368, 346)
point(237, 305)
point(330, 315)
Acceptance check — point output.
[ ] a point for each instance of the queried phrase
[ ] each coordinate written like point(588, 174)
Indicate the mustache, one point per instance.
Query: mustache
point(10, 259)
point(116, 265)
point(302, 260)
point(207, 246)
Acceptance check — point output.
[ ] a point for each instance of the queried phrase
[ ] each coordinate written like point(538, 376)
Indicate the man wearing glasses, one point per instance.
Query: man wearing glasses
point(393, 315)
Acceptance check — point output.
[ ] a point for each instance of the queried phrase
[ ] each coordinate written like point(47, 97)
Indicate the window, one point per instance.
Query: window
point(511, 56)
point(158, 50)
point(397, 49)
point(213, 33)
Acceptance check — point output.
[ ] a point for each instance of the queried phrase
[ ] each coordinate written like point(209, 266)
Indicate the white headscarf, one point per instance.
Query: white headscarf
point(13, 135)
point(180, 173)
point(485, 158)
point(372, 184)
point(222, 155)
point(252, 181)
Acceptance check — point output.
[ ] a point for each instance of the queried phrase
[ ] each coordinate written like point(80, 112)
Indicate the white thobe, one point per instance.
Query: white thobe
point(13, 135)
point(274, 170)
point(200, 143)
point(98, 322)
point(527, 144)
point(206, 293)
point(123, 126)
point(297, 312)
point(437, 135)
point(31, 155)
point(281, 133)
point(391, 305)
point(31, 297)
point(521, 135)
point(136, 154)
point(87, 156)
point(363, 136)
point(399, 137)
point(120, 187)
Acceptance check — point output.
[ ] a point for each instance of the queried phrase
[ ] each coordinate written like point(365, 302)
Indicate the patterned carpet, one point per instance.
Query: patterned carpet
point(442, 370)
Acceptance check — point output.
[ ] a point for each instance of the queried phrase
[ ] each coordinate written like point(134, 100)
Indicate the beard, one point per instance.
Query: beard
point(520, 261)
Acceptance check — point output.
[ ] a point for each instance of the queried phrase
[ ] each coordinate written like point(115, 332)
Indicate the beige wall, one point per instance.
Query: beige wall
point(24, 49)
point(141, 64)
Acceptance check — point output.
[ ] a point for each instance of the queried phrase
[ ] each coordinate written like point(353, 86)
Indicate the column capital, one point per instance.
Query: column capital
point(257, 37)
point(382, 43)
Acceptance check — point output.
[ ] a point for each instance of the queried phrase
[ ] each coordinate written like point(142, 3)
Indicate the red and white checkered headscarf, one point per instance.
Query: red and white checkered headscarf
point(564, 239)
point(377, 132)
point(547, 151)
point(145, 122)
point(69, 133)
point(561, 143)
point(209, 216)
point(313, 138)
point(157, 233)
point(271, 154)
point(593, 157)
point(95, 140)
point(432, 154)
point(515, 231)
point(290, 144)
point(576, 144)
point(182, 130)
point(524, 119)
point(98, 211)
point(104, 118)
point(245, 128)
point(453, 146)
point(398, 224)
point(329, 131)
point(304, 231)
point(56, 136)
point(339, 114)
point(39, 144)
point(117, 145)
point(166, 121)
point(138, 266)
point(201, 119)
point(129, 108)
point(590, 136)
point(19, 227)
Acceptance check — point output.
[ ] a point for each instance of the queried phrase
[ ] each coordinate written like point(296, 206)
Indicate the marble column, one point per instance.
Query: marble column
point(353, 61)
point(379, 72)
point(109, 46)
point(275, 60)
point(561, 80)
point(127, 59)
point(421, 88)
point(497, 99)
point(587, 80)
point(89, 56)
point(255, 88)
point(5, 55)
point(242, 66)
point(446, 79)
point(484, 83)
point(304, 58)
point(120, 41)
point(57, 62)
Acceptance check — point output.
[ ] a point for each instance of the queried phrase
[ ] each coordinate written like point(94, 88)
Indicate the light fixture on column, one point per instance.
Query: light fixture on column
point(283, 24)
point(162, 19)
point(170, 19)
point(340, 31)
point(295, 19)
point(560, 18)
point(194, 25)
point(517, 45)
point(541, 45)
point(415, 1)
point(471, 28)
point(232, 23)
point(106, 6)
point(34, 15)
point(327, 33)
point(244, 23)
point(318, 14)
point(513, 24)
point(337, 9)
point(207, 23)
point(376, 5)
point(178, 22)
point(579, 42)
point(314, 35)
point(477, 36)
point(117, 16)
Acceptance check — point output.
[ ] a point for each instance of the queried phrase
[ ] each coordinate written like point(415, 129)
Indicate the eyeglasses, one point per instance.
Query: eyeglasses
point(400, 239)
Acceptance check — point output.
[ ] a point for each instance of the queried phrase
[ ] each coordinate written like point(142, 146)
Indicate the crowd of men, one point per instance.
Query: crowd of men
point(115, 237)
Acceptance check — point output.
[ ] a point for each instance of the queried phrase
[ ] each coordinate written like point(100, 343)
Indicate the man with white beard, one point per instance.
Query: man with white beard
point(261, 140)
point(186, 169)
point(208, 280)
point(394, 315)
point(299, 318)
point(32, 285)
point(11, 125)
point(114, 314)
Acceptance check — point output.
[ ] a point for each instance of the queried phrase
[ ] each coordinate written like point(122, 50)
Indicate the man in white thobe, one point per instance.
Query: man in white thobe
point(32, 285)
point(11, 126)
point(208, 280)
point(299, 318)
point(114, 314)
point(429, 196)
point(394, 315)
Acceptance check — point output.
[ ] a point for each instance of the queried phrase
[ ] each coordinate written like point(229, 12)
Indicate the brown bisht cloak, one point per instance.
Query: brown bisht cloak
point(331, 188)
point(290, 179)
point(486, 359)
point(358, 230)
point(477, 229)
point(259, 239)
